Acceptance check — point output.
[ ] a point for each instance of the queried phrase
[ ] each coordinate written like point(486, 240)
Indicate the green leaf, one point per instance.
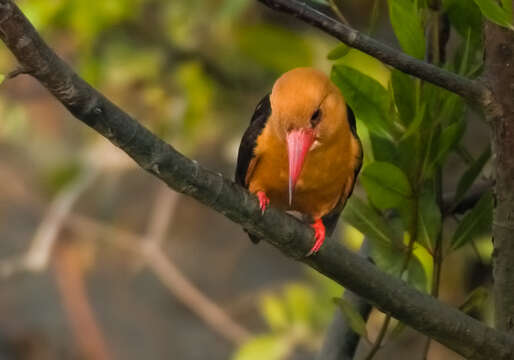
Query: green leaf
point(470, 175)
point(414, 125)
point(2, 78)
point(404, 91)
point(352, 316)
point(466, 18)
point(386, 185)
point(391, 259)
point(365, 219)
point(338, 52)
point(495, 13)
point(264, 347)
point(367, 98)
point(408, 27)
point(475, 300)
point(299, 302)
point(475, 222)
point(429, 219)
point(274, 312)
point(289, 49)
point(449, 138)
point(383, 149)
point(507, 6)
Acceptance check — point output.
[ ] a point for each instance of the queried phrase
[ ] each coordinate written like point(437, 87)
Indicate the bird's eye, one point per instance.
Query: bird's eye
point(316, 117)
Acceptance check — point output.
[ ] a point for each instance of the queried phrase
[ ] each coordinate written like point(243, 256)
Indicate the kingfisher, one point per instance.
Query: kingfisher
point(301, 152)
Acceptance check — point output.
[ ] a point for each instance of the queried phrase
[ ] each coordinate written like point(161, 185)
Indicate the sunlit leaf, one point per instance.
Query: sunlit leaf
point(299, 302)
point(495, 13)
point(386, 185)
point(263, 347)
point(274, 312)
point(365, 219)
point(475, 222)
point(408, 27)
point(352, 316)
point(367, 97)
point(470, 175)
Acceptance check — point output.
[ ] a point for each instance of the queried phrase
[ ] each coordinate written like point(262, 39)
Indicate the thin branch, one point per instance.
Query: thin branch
point(162, 213)
point(38, 255)
point(459, 332)
point(69, 275)
point(176, 282)
point(469, 89)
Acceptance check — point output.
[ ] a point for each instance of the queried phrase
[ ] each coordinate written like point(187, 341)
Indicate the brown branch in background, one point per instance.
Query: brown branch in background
point(38, 255)
point(452, 328)
point(194, 299)
point(162, 213)
point(69, 273)
point(176, 282)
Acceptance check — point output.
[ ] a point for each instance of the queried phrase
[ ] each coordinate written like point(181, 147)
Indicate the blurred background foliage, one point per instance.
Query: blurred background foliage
point(193, 71)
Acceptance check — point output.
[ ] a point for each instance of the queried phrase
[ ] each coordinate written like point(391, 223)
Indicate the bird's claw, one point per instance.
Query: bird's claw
point(319, 235)
point(263, 201)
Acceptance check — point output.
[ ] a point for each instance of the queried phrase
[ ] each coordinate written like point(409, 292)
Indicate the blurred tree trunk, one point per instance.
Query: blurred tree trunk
point(499, 73)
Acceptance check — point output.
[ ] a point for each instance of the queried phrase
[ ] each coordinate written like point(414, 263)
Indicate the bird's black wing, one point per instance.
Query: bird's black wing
point(330, 220)
point(248, 144)
point(249, 140)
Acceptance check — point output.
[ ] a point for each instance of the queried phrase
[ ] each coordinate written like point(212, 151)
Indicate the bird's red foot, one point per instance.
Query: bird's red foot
point(319, 235)
point(263, 201)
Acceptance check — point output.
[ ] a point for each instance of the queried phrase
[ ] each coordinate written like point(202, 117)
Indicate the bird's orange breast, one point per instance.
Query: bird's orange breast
point(327, 174)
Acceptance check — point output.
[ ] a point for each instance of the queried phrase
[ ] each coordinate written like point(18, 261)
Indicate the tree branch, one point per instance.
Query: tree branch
point(469, 89)
point(459, 332)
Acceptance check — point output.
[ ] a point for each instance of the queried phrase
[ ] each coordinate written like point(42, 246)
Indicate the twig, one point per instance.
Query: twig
point(69, 274)
point(162, 213)
point(458, 331)
point(378, 341)
point(18, 71)
point(170, 275)
point(37, 256)
point(189, 295)
point(337, 11)
point(472, 90)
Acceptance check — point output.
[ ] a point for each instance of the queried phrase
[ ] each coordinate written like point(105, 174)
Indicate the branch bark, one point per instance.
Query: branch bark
point(447, 325)
point(499, 73)
point(472, 90)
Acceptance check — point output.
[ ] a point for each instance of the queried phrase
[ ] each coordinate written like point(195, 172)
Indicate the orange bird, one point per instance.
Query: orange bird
point(301, 151)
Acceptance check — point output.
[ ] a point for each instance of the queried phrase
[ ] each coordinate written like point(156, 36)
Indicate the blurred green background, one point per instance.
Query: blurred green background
point(192, 71)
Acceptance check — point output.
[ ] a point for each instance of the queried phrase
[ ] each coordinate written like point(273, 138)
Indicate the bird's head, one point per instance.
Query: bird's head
point(308, 113)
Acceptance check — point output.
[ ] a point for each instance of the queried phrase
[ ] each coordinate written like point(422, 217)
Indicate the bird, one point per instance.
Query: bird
point(301, 152)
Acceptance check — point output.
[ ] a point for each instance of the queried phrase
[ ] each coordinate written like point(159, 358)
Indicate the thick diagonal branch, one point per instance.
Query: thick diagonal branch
point(472, 90)
point(447, 325)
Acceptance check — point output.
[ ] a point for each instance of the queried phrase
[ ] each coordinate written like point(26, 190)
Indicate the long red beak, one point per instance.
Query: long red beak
point(299, 142)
